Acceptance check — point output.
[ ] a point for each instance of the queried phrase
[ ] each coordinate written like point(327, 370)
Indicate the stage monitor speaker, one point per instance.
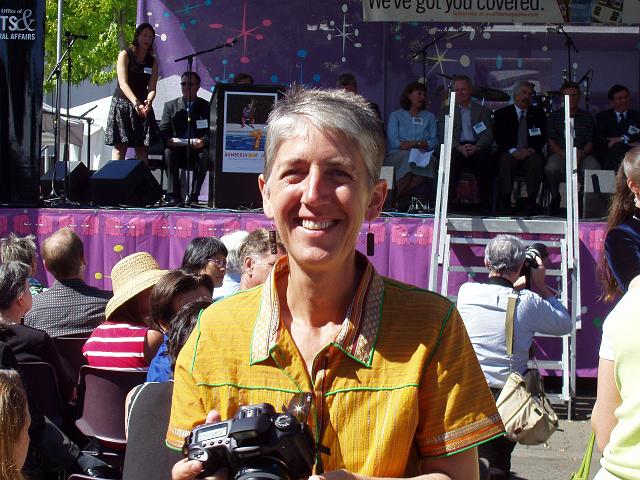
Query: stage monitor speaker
point(78, 181)
point(599, 185)
point(124, 182)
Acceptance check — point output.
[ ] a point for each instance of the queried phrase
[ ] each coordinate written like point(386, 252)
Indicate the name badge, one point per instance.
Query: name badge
point(202, 123)
point(479, 128)
point(417, 120)
point(534, 132)
point(148, 70)
point(633, 130)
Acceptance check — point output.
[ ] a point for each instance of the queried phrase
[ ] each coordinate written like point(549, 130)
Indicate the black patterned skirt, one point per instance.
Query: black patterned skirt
point(124, 125)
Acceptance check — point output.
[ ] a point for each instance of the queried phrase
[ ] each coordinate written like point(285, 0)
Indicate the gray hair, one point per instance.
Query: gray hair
point(233, 242)
point(330, 110)
point(520, 84)
point(504, 253)
point(13, 277)
point(258, 246)
point(18, 249)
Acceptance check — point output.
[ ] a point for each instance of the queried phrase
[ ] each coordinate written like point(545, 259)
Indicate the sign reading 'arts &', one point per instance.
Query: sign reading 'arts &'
point(17, 24)
point(607, 12)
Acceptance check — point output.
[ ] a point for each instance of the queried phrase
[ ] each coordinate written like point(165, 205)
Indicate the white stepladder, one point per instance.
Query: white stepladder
point(452, 233)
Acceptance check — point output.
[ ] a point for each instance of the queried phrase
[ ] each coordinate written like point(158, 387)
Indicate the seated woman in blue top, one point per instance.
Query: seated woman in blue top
point(411, 127)
point(169, 295)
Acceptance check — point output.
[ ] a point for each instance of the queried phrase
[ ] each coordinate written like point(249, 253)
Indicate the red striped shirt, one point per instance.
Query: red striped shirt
point(117, 346)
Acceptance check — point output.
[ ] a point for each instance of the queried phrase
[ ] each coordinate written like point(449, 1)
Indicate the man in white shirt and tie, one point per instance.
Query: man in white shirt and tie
point(472, 141)
point(617, 129)
point(185, 120)
point(520, 132)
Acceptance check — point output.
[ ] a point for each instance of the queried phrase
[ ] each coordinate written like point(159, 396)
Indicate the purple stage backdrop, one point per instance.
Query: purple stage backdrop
point(313, 42)
point(403, 249)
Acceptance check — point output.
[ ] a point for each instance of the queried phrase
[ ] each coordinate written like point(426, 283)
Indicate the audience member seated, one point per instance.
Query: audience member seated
point(412, 136)
point(149, 407)
point(257, 259)
point(347, 81)
point(22, 249)
point(185, 117)
point(70, 306)
point(620, 261)
point(50, 450)
point(172, 291)
point(617, 129)
point(28, 344)
point(520, 135)
point(582, 126)
point(206, 255)
point(231, 281)
point(483, 308)
point(472, 141)
point(14, 425)
point(243, 79)
point(125, 340)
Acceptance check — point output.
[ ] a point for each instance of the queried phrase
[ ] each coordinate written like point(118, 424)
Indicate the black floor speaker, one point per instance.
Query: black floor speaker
point(126, 183)
point(78, 181)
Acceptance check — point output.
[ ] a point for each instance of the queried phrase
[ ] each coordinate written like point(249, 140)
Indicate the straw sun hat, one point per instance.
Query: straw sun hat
point(130, 276)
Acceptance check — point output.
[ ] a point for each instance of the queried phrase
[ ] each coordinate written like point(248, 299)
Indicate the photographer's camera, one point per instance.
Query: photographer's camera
point(258, 443)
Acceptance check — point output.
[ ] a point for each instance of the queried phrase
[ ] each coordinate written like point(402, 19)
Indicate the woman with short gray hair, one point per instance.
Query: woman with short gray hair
point(28, 344)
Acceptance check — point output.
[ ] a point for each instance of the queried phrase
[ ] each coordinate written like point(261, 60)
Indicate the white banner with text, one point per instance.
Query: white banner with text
point(603, 12)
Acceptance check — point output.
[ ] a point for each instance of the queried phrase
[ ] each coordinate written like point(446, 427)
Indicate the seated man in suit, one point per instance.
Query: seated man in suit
point(617, 129)
point(520, 135)
point(185, 120)
point(472, 140)
point(582, 139)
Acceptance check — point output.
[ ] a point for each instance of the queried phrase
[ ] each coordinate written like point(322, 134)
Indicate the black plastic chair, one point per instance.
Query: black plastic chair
point(41, 381)
point(70, 349)
point(101, 399)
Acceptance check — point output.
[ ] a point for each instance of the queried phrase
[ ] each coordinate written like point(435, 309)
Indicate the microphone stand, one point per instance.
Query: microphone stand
point(57, 72)
point(423, 52)
point(569, 44)
point(189, 58)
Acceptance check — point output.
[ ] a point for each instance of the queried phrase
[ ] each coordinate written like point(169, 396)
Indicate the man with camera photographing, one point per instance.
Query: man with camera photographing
point(483, 307)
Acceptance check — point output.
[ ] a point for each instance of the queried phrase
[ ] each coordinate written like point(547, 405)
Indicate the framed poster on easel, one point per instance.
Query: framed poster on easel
point(242, 112)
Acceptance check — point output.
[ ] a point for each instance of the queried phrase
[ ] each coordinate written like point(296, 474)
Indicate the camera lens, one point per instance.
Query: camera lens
point(262, 469)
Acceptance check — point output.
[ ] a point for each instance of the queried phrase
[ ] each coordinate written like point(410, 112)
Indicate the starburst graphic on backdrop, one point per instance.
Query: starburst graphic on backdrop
point(345, 32)
point(245, 33)
point(186, 11)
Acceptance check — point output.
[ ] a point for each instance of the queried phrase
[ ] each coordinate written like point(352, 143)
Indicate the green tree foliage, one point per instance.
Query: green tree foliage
point(108, 23)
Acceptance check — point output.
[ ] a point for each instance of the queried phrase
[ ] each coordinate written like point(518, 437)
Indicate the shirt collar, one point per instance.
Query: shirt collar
point(358, 334)
point(518, 110)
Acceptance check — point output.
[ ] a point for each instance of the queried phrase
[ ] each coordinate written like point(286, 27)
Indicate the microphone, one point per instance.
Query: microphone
point(231, 43)
point(68, 34)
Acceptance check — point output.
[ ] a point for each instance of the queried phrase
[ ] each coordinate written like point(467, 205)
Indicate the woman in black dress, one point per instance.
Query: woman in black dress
point(131, 120)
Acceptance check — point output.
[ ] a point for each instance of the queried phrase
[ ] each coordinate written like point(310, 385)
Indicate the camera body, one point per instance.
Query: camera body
point(257, 443)
point(530, 261)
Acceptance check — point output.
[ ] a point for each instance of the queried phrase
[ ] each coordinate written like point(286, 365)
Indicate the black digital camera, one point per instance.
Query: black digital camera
point(258, 443)
point(530, 261)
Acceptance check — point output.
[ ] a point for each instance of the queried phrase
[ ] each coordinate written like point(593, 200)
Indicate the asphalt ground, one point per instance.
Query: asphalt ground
point(562, 454)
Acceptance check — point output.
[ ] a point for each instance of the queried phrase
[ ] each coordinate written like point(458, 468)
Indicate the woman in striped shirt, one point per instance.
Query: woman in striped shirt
point(125, 340)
